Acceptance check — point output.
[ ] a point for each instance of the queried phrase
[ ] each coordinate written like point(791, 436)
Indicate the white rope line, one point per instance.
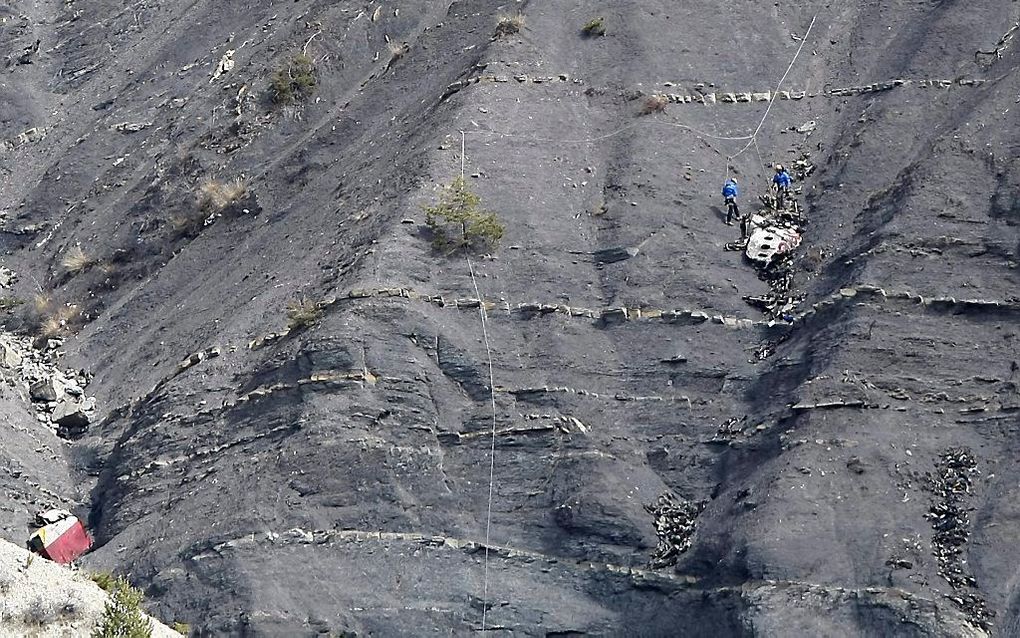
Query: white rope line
point(796, 55)
point(752, 141)
point(492, 445)
point(761, 162)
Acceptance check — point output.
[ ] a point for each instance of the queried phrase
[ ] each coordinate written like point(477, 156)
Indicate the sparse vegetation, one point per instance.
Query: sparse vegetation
point(72, 607)
point(75, 260)
point(182, 628)
point(215, 195)
point(7, 304)
point(41, 611)
point(48, 319)
point(106, 581)
point(654, 104)
point(123, 616)
point(397, 51)
point(509, 24)
point(596, 27)
point(302, 313)
point(294, 81)
point(458, 221)
point(187, 225)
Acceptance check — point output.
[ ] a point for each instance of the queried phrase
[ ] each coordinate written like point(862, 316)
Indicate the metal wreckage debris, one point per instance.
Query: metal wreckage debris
point(674, 525)
point(951, 485)
point(769, 239)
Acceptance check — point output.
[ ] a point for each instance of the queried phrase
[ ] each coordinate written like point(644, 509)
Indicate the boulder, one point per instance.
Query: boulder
point(9, 357)
point(48, 389)
point(71, 416)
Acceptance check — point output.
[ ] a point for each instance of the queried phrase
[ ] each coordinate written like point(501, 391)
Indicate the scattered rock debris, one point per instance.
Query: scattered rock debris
point(951, 486)
point(674, 525)
point(58, 396)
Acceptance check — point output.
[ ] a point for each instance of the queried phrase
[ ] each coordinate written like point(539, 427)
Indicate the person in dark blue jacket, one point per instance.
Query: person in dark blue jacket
point(781, 183)
point(729, 193)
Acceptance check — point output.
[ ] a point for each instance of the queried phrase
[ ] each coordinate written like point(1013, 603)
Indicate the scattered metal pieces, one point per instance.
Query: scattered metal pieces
point(674, 525)
point(951, 486)
point(772, 235)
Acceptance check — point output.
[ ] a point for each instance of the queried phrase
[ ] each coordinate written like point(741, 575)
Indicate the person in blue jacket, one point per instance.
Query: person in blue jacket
point(781, 183)
point(729, 193)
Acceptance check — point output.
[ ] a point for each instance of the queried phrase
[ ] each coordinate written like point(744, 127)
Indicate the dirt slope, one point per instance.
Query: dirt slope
point(849, 467)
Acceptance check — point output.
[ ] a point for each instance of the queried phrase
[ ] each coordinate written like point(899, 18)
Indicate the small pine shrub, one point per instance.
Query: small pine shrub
point(302, 313)
point(458, 222)
point(509, 24)
point(215, 195)
point(123, 616)
point(654, 104)
point(596, 27)
point(75, 260)
point(106, 581)
point(294, 81)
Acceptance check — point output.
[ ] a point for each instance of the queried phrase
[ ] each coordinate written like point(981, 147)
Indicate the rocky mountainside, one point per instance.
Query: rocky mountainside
point(680, 443)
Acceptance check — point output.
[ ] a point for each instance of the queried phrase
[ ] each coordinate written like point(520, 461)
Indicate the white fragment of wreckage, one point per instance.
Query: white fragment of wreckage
point(768, 242)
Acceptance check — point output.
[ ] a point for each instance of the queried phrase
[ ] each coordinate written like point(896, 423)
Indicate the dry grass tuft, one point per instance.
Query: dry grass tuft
point(654, 104)
point(397, 50)
point(60, 322)
point(48, 319)
point(302, 313)
point(214, 195)
point(76, 260)
point(510, 24)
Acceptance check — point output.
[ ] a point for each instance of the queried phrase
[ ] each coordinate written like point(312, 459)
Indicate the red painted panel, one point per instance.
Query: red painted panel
point(70, 545)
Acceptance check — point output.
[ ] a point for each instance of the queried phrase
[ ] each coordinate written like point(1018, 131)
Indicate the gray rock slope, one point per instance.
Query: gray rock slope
point(849, 472)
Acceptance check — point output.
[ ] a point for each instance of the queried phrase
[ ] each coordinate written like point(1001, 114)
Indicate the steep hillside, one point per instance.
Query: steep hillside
point(666, 457)
point(44, 600)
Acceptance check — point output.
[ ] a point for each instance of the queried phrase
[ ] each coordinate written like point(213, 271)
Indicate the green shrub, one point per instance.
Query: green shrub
point(295, 80)
point(458, 222)
point(595, 27)
point(182, 628)
point(123, 616)
point(106, 581)
point(7, 304)
point(302, 313)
